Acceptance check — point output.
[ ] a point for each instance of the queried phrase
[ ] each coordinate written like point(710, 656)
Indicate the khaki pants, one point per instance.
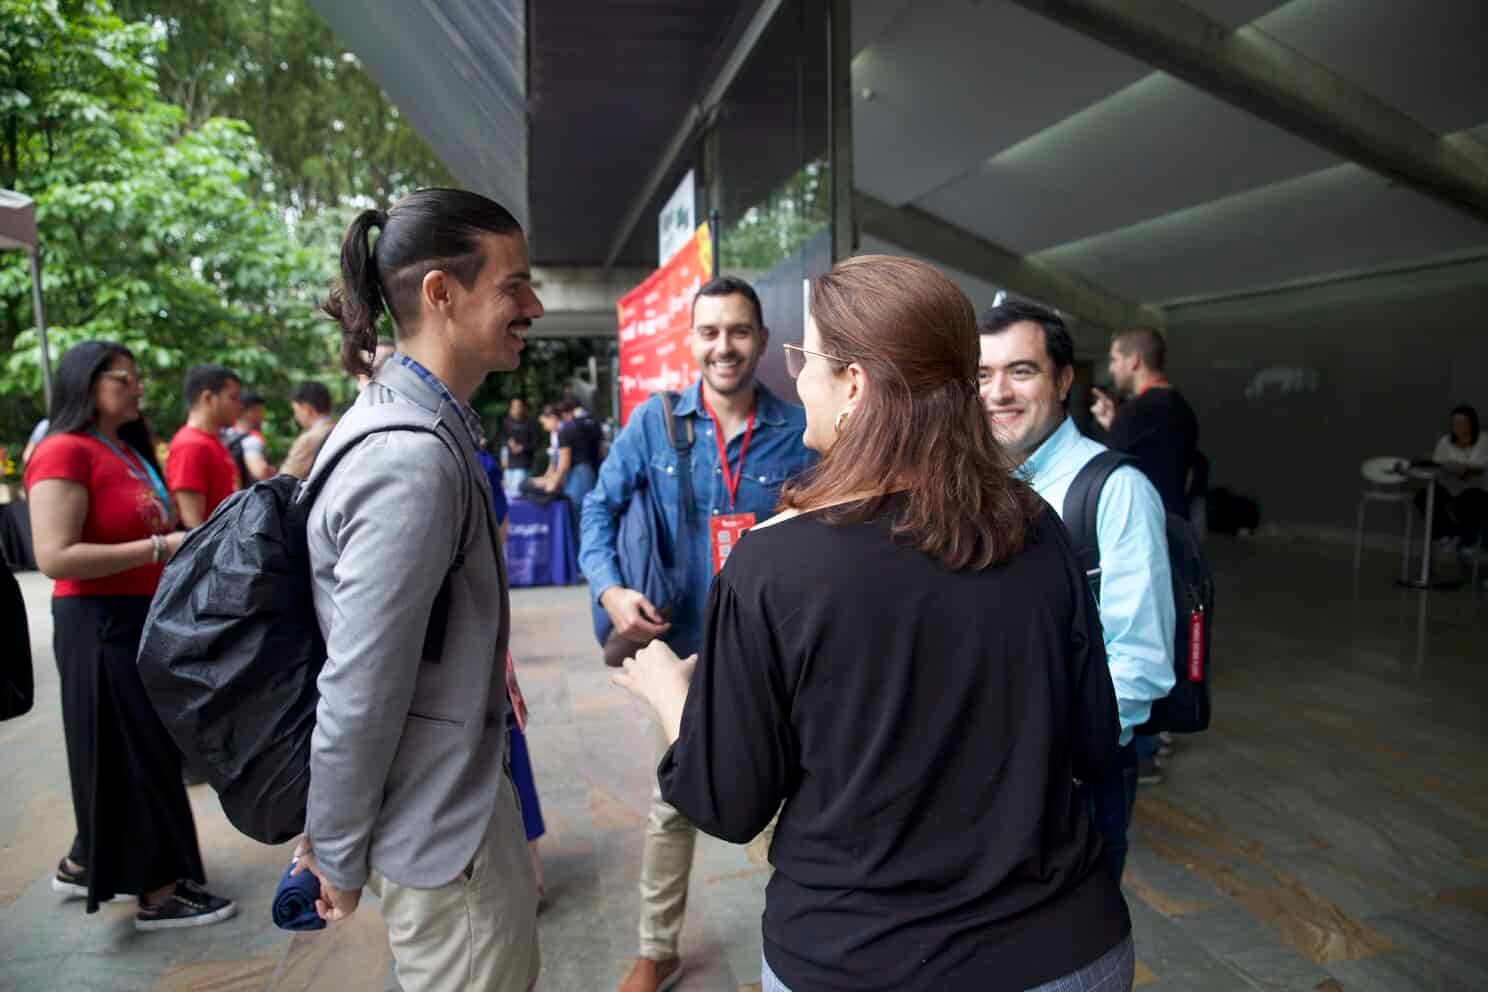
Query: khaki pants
point(666, 865)
point(479, 932)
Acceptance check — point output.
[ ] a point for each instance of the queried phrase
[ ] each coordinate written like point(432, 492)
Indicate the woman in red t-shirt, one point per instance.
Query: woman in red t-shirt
point(103, 528)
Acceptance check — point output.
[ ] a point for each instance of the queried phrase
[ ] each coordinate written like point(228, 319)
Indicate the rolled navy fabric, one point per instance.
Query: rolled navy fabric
point(294, 902)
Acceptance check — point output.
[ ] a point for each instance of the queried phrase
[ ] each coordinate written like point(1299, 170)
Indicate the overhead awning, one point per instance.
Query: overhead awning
point(18, 233)
point(17, 221)
point(457, 69)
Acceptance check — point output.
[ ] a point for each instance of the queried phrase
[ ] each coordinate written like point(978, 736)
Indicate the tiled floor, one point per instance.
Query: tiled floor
point(1329, 833)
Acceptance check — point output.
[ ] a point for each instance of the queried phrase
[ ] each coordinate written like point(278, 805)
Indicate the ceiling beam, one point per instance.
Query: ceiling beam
point(1249, 69)
point(925, 234)
point(711, 96)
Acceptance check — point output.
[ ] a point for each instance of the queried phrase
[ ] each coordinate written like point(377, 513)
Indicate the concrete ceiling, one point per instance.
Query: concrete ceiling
point(1043, 141)
point(983, 114)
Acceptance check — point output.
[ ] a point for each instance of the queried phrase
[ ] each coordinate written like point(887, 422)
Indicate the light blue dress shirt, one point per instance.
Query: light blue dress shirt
point(1136, 588)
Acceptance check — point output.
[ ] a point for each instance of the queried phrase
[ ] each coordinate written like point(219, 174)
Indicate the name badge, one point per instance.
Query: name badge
point(724, 531)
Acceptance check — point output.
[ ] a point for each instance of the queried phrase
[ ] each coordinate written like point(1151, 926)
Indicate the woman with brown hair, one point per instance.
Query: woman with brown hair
point(909, 659)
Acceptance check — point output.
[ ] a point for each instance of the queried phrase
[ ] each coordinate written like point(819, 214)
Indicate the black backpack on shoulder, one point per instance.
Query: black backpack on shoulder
point(1185, 710)
point(232, 647)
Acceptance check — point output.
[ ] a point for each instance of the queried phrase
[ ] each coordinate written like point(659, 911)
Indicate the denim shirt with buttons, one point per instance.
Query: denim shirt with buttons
point(642, 451)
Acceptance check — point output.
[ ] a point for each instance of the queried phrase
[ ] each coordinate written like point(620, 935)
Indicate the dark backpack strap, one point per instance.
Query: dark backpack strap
point(1082, 510)
point(680, 436)
point(433, 649)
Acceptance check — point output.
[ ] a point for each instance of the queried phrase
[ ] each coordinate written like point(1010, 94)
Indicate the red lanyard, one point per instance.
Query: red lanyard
point(731, 480)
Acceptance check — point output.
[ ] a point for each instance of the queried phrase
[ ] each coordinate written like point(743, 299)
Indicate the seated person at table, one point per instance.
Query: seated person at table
point(1461, 498)
point(747, 442)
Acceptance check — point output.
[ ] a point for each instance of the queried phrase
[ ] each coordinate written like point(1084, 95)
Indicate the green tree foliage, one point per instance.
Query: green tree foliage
point(329, 132)
point(771, 231)
point(156, 232)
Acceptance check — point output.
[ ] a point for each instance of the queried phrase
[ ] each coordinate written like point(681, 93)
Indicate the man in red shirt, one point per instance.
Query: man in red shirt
point(199, 470)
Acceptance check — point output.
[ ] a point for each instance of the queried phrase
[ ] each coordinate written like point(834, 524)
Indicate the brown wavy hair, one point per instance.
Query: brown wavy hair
point(920, 428)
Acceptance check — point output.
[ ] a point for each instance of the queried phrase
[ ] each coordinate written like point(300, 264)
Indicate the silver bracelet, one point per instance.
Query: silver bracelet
point(157, 548)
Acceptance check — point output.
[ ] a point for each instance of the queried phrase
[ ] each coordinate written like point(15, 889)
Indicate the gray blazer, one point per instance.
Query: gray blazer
point(407, 757)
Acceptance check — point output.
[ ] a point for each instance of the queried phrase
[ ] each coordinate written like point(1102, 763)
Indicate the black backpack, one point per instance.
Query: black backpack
point(232, 647)
point(1185, 710)
point(17, 687)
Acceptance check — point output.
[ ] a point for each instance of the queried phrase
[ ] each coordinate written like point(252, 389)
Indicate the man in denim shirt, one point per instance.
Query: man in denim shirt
point(1026, 372)
point(730, 483)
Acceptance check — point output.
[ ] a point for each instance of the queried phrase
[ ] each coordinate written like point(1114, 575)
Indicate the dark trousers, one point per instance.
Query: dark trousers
point(1460, 516)
point(1111, 801)
point(134, 827)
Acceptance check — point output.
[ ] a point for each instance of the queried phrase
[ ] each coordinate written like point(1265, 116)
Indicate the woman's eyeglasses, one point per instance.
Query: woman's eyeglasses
point(795, 359)
point(126, 379)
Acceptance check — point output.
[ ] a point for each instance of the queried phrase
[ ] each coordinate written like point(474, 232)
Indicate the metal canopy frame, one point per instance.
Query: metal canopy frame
point(18, 233)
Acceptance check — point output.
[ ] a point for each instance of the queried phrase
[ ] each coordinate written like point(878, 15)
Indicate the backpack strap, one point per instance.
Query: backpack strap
point(380, 420)
point(1082, 511)
point(680, 436)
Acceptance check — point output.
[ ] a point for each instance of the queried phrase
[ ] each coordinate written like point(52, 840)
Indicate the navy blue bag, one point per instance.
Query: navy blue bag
point(649, 562)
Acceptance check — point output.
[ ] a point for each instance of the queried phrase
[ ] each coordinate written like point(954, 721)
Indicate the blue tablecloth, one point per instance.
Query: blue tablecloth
point(540, 545)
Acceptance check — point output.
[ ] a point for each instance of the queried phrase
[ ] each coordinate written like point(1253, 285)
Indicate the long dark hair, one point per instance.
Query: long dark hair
point(73, 410)
point(430, 229)
point(920, 430)
point(1472, 421)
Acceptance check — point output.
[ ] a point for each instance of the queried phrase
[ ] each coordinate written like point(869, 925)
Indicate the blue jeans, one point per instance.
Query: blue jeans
point(1146, 745)
point(576, 485)
point(1113, 971)
point(1111, 802)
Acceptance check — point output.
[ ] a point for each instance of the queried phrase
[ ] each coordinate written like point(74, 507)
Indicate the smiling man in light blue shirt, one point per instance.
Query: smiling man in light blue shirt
point(1026, 371)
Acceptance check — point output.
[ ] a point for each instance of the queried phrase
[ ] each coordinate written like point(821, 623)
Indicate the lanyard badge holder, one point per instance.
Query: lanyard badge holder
point(725, 529)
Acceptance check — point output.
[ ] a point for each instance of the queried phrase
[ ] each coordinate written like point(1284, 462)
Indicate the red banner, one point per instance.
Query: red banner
point(655, 319)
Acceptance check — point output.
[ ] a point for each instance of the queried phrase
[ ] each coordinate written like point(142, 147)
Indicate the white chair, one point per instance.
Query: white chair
point(1385, 481)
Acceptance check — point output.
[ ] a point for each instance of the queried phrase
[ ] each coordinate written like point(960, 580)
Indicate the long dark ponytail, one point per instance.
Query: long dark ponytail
point(430, 229)
point(357, 303)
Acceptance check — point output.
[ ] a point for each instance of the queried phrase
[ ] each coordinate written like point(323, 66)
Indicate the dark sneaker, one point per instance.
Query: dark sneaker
point(189, 906)
point(74, 884)
point(1148, 772)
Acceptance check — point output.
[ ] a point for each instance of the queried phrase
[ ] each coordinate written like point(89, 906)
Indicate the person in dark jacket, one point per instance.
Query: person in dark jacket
point(908, 659)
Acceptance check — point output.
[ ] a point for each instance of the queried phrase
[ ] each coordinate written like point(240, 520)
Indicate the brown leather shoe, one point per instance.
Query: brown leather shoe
point(653, 976)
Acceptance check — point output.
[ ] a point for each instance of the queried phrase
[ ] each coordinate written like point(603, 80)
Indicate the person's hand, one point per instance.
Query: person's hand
point(173, 542)
point(659, 678)
point(634, 616)
point(334, 904)
point(1103, 409)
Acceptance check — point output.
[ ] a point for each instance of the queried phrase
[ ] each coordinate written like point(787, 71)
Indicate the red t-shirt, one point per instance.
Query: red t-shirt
point(201, 463)
point(123, 506)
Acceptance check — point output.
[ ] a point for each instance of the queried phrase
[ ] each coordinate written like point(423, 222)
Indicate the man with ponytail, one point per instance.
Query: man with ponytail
point(409, 795)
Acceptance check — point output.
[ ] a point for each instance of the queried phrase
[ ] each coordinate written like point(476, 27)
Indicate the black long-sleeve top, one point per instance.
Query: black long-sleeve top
point(924, 729)
point(1160, 430)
